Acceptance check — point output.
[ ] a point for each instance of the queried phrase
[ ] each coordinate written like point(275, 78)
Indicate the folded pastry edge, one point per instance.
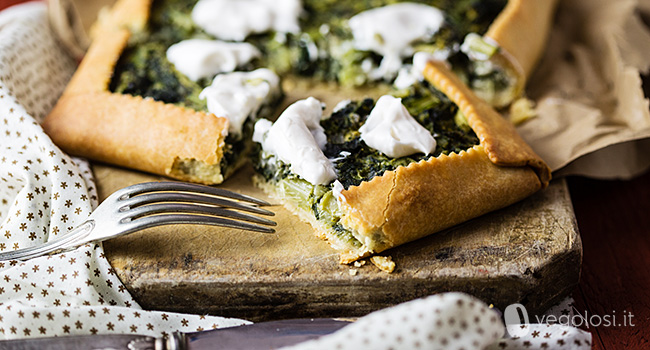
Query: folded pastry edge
point(423, 198)
point(521, 30)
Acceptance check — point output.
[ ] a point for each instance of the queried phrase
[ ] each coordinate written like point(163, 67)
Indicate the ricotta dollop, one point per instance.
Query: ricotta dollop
point(239, 95)
point(390, 31)
point(391, 130)
point(297, 138)
point(411, 74)
point(201, 58)
point(236, 19)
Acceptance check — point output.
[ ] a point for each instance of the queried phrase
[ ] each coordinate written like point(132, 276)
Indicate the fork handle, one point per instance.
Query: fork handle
point(70, 240)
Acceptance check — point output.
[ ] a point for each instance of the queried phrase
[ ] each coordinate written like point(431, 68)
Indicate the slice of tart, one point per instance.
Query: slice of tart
point(373, 176)
point(151, 96)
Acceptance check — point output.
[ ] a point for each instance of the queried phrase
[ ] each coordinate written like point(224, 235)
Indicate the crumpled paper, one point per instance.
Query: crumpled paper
point(593, 118)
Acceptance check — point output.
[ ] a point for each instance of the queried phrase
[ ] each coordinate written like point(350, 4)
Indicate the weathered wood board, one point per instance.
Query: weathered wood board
point(529, 252)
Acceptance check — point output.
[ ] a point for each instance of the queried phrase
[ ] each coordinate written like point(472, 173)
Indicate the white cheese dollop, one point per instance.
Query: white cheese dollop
point(410, 74)
point(236, 19)
point(239, 95)
point(391, 130)
point(297, 138)
point(407, 76)
point(341, 105)
point(201, 58)
point(390, 31)
point(337, 191)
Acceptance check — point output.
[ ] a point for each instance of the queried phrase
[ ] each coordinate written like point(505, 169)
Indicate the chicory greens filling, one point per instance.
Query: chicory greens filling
point(355, 162)
point(325, 27)
point(322, 50)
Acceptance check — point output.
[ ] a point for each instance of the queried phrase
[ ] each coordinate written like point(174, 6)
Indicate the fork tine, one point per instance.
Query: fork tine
point(159, 197)
point(170, 219)
point(149, 204)
point(151, 209)
point(193, 188)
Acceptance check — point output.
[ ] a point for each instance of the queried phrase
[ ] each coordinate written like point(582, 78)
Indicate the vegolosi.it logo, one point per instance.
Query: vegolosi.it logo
point(517, 315)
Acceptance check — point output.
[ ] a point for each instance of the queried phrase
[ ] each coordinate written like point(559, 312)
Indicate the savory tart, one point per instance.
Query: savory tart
point(149, 96)
point(373, 176)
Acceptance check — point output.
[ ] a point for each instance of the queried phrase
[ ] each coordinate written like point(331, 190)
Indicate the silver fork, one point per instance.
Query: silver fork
point(153, 204)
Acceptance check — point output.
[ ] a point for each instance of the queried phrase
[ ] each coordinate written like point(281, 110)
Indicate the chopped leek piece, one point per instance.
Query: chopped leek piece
point(478, 48)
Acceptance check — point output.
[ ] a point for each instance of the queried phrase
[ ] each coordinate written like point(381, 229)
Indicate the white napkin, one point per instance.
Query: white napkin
point(443, 321)
point(449, 321)
point(44, 193)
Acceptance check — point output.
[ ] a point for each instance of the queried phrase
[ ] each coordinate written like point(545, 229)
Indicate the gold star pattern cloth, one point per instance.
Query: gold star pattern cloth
point(44, 193)
point(450, 321)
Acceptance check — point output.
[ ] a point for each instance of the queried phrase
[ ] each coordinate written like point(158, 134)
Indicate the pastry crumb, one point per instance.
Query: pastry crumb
point(359, 263)
point(522, 110)
point(353, 272)
point(384, 263)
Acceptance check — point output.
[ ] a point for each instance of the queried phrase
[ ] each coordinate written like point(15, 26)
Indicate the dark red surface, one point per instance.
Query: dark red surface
point(614, 222)
point(6, 3)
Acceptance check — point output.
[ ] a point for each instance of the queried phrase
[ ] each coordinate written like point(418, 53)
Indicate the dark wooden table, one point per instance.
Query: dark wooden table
point(614, 222)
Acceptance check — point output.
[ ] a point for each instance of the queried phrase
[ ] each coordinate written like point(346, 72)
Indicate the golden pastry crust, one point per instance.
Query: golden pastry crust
point(425, 197)
point(498, 136)
point(430, 196)
point(521, 30)
point(143, 134)
point(137, 133)
point(96, 69)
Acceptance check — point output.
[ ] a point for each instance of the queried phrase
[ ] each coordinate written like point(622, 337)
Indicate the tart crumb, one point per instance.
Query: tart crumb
point(384, 263)
point(521, 110)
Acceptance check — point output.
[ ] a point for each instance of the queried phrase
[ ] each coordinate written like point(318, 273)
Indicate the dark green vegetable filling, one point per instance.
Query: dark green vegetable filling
point(428, 106)
point(461, 18)
point(356, 162)
point(144, 71)
point(324, 26)
point(432, 109)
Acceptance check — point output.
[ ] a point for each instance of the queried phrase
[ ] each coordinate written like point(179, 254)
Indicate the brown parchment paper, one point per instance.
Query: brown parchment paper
point(593, 118)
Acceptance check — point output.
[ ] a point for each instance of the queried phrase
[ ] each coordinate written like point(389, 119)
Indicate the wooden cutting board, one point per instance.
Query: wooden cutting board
point(529, 252)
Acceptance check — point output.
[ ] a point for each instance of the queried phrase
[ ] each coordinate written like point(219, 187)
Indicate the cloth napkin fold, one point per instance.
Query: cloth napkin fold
point(44, 193)
point(449, 321)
